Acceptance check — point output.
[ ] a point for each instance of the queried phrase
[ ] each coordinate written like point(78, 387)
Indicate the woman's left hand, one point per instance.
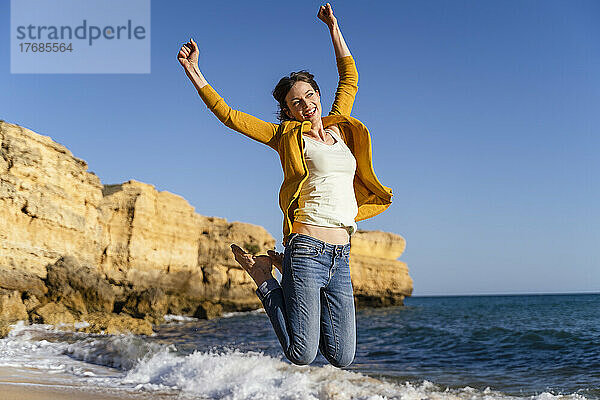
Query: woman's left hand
point(326, 15)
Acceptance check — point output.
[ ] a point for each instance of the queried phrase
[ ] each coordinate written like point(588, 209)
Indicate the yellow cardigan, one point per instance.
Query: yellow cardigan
point(286, 138)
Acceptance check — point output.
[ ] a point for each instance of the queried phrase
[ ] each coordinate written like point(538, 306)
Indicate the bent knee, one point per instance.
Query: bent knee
point(301, 356)
point(342, 359)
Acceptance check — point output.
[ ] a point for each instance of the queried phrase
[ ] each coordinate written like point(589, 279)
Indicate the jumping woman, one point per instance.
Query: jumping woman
point(328, 185)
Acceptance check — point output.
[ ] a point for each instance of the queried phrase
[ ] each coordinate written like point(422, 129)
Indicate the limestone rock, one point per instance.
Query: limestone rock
point(135, 236)
point(81, 288)
point(378, 278)
point(4, 329)
point(183, 305)
point(53, 314)
point(151, 304)
point(378, 244)
point(12, 308)
point(48, 203)
point(209, 310)
point(23, 282)
point(31, 303)
point(156, 239)
point(113, 324)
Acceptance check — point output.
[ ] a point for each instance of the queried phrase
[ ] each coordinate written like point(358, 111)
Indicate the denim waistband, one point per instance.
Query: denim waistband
point(323, 246)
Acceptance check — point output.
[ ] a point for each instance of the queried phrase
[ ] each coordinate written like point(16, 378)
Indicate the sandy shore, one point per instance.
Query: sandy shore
point(21, 391)
point(23, 384)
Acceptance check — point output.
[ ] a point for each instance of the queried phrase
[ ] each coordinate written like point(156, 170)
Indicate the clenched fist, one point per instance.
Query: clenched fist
point(325, 14)
point(188, 55)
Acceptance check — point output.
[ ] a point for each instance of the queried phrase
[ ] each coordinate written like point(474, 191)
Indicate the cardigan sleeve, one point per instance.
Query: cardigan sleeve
point(249, 125)
point(347, 86)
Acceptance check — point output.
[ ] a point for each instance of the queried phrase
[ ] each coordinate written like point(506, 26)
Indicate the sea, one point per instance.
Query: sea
point(441, 348)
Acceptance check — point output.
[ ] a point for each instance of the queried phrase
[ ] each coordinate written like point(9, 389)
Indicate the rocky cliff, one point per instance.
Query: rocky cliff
point(379, 279)
point(124, 255)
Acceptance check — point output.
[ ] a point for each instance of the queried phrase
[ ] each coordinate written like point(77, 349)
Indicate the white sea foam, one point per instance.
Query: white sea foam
point(131, 362)
point(171, 318)
point(241, 313)
point(235, 375)
point(239, 375)
point(178, 318)
point(47, 348)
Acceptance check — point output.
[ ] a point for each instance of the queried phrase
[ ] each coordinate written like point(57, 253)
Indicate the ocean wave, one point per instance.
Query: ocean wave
point(236, 375)
point(128, 362)
point(49, 347)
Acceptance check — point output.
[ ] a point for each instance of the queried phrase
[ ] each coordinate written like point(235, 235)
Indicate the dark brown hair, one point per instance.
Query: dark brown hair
point(285, 85)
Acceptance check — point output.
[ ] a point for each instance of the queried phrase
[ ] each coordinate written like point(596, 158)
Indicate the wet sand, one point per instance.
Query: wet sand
point(21, 384)
point(21, 391)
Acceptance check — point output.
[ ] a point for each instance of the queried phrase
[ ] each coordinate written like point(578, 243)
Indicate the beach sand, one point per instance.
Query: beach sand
point(21, 384)
point(21, 391)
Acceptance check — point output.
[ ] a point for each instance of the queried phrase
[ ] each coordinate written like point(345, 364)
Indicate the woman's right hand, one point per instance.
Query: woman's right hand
point(188, 55)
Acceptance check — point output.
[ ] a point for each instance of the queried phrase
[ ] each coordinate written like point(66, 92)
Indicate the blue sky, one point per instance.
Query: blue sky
point(484, 117)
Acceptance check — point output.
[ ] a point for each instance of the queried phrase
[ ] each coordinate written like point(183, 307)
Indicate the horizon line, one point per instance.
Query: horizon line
point(507, 294)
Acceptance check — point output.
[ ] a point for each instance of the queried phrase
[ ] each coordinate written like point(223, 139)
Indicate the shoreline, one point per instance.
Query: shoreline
point(21, 384)
point(31, 391)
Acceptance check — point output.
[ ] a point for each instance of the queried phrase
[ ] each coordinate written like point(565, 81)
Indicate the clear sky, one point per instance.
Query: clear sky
point(484, 117)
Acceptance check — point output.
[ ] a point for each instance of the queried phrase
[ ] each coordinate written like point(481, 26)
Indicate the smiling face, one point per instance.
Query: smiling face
point(303, 102)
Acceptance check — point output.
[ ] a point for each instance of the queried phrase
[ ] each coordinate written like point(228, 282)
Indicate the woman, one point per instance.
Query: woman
point(329, 183)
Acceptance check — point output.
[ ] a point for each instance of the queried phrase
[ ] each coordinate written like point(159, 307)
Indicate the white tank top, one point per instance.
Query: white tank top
point(327, 196)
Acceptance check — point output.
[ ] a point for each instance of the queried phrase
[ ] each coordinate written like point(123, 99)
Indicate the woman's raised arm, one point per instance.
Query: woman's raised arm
point(348, 83)
point(254, 128)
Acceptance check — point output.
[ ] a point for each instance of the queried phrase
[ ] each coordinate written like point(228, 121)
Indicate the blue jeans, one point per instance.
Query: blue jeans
point(313, 307)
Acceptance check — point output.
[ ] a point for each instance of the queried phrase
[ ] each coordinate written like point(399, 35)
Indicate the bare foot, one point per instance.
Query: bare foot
point(277, 259)
point(258, 267)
